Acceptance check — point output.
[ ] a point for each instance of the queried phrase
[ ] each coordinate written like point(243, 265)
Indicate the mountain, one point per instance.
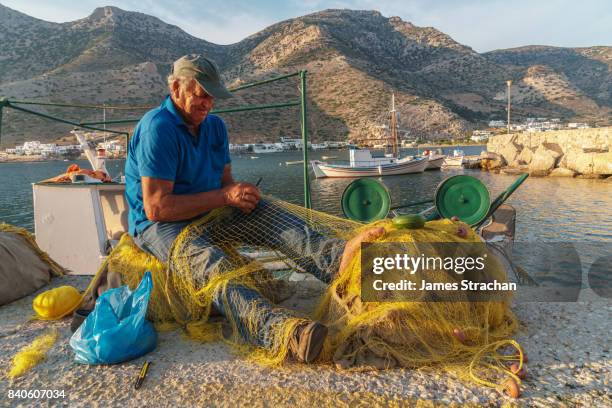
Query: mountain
point(355, 59)
point(578, 81)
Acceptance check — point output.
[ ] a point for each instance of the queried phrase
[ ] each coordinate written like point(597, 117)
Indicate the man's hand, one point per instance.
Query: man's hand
point(241, 195)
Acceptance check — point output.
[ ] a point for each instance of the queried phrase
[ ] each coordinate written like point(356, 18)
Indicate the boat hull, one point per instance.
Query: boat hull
point(322, 170)
point(451, 161)
point(435, 163)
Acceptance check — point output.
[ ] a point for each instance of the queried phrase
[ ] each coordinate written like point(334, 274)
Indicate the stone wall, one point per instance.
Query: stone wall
point(558, 153)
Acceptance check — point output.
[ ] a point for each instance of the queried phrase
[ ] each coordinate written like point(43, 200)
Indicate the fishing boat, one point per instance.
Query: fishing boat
point(456, 160)
point(362, 164)
point(435, 160)
point(471, 162)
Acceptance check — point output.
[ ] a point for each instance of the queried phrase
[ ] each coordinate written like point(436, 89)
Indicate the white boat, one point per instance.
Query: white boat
point(456, 160)
point(362, 164)
point(266, 148)
point(291, 163)
point(435, 160)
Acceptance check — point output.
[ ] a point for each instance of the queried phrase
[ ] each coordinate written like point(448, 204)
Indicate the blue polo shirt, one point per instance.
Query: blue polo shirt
point(162, 147)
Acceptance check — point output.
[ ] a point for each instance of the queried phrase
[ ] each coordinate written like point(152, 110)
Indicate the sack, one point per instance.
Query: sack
point(24, 268)
point(116, 330)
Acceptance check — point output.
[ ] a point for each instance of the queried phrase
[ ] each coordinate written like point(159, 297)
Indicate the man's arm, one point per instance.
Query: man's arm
point(161, 204)
point(226, 178)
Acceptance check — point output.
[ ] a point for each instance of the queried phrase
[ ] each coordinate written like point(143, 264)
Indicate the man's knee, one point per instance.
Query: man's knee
point(205, 261)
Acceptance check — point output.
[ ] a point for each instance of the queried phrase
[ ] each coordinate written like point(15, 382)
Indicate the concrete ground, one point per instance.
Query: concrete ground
point(568, 346)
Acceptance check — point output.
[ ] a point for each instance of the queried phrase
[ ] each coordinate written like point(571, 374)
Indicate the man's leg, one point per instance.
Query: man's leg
point(157, 238)
point(268, 225)
point(254, 316)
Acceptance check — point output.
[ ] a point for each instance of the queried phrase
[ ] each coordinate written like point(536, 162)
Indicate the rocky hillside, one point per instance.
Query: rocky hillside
point(577, 81)
point(354, 60)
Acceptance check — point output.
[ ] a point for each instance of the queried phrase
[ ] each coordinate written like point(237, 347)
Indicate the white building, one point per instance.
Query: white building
point(480, 135)
point(32, 148)
point(497, 124)
point(577, 125)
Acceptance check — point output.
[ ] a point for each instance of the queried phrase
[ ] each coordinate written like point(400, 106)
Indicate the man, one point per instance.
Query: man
point(179, 167)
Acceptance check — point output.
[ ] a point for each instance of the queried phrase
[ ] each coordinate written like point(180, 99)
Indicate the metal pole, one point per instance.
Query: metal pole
point(1, 106)
point(256, 107)
point(265, 81)
point(104, 120)
point(71, 105)
point(223, 110)
point(69, 122)
point(307, 202)
point(509, 85)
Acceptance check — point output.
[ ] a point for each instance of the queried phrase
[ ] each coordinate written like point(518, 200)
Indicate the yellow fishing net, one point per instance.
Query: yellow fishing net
point(470, 339)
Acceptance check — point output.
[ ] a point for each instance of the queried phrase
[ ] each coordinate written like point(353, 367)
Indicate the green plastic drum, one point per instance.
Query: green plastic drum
point(464, 197)
point(366, 200)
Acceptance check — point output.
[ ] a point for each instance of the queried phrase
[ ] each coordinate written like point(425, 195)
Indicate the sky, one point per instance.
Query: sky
point(484, 25)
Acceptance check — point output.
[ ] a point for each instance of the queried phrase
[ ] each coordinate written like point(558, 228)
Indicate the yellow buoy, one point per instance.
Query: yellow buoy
point(56, 303)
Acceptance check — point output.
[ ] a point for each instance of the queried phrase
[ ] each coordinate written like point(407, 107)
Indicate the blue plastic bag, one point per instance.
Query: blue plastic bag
point(116, 330)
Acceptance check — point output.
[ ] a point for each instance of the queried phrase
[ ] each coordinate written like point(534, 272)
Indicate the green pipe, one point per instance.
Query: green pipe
point(307, 201)
point(226, 110)
point(265, 81)
point(69, 105)
point(63, 120)
point(3, 103)
point(110, 122)
point(255, 107)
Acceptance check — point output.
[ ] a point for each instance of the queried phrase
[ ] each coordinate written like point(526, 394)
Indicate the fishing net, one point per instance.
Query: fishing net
point(209, 259)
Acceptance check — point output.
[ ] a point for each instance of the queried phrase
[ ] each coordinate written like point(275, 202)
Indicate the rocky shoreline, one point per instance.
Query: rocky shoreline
point(581, 153)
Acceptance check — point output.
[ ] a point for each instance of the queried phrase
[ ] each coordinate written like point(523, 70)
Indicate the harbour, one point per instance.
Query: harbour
point(550, 208)
point(341, 209)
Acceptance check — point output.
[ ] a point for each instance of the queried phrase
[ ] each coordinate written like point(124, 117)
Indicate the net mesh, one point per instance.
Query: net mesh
point(470, 339)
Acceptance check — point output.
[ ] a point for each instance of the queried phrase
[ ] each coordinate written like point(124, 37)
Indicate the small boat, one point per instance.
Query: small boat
point(362, 164)
point(471, 162)
point(456, 160)
point(254, 157)
point(329, 157)
point(291, 163)
point(435, 160)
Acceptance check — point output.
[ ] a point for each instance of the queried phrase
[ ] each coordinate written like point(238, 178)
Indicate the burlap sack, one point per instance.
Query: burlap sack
point(23, 267)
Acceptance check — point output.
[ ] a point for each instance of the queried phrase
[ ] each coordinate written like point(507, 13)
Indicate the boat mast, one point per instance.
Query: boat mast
point(393, 127)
